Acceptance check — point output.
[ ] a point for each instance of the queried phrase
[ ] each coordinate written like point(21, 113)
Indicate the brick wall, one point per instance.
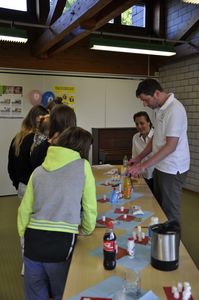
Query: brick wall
point(183, 79)
point(178, 14)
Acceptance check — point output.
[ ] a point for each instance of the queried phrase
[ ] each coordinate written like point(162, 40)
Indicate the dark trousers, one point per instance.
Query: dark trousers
point(168, 190)
point(39, 276)
point(149, 183)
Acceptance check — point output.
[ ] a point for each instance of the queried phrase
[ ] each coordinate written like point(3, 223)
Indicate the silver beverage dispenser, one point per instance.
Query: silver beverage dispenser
point(165, 243)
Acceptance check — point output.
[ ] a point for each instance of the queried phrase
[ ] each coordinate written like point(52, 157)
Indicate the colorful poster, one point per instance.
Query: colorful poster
point(11, 101)
point(67, 94)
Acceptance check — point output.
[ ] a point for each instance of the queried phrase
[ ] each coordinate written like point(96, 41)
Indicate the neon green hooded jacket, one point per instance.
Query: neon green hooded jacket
point(60, 195)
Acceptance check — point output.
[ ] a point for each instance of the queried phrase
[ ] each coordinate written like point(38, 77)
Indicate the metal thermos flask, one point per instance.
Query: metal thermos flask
point(165, 243)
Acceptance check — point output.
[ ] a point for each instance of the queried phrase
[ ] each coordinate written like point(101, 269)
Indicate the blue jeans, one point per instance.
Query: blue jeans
point(44, 279)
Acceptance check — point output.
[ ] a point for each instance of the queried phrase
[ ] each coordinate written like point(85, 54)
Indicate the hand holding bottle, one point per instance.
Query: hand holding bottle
point(136, 169)
point(133, 160)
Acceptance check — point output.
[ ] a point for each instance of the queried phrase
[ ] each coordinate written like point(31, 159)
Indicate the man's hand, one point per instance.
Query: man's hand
point(132, 161)
point(135, 170)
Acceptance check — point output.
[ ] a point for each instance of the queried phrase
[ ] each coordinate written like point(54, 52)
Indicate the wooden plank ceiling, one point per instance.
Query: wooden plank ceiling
point(59, 30)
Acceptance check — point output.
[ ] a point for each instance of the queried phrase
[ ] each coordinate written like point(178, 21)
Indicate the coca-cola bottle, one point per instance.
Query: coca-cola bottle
point(110, 247)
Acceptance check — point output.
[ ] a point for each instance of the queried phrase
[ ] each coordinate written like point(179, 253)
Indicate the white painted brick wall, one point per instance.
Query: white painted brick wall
point(183, 79)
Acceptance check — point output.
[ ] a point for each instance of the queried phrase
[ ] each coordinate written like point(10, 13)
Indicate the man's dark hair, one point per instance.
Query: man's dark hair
point(143, 114)
point(77, 139)
point(148, 87)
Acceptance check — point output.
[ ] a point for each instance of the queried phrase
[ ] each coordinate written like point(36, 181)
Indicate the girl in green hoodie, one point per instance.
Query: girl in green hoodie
point(60, 201)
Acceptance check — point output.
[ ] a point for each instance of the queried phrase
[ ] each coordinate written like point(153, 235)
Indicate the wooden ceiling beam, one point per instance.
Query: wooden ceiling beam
point(79, 11)
point(55, 11)
point(107, 13)
point(113, 10)
point(185, 50)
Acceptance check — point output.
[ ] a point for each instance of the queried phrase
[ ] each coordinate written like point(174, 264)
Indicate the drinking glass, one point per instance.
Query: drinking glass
point(132, 284)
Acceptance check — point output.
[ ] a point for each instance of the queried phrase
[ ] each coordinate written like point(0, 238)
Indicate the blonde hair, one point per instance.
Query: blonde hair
point(28, 125)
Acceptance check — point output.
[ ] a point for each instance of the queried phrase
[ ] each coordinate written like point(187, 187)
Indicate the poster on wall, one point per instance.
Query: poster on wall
point(67, 94)
point(11, 101)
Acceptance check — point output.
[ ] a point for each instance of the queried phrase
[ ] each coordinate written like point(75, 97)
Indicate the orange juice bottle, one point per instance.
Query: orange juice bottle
point(127, 187)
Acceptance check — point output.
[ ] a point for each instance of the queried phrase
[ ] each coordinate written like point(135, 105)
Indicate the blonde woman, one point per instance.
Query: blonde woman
point(19, 166)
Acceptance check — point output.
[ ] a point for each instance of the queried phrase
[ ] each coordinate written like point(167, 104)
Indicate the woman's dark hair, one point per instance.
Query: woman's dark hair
point(30, 121)
point(77, 139)
point(54, 102)
point(145, 115)
point(61, 117)
point(148, 87)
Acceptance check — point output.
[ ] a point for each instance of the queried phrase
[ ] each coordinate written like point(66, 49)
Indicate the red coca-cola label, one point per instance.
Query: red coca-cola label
point(110, 246)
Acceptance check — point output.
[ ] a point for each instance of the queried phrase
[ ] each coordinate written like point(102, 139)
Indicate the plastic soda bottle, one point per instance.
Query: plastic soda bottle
point(131, 247)
point(154, 220)
point(114, 196)
point(110, 247)
point(124, 165)
point(127, 187)
point(125, 161)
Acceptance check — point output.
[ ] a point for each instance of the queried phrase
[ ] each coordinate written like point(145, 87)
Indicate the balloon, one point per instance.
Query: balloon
point(35, 97)
point(47, 97)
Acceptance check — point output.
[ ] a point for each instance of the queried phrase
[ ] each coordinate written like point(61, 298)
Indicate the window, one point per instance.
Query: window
point(111, 21)
point(134, 16)
point(16, 5)
point(69, 3)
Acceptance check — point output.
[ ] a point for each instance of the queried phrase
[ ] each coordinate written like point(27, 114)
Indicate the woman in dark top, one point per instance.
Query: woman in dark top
point(19, 166)
point(61, 117)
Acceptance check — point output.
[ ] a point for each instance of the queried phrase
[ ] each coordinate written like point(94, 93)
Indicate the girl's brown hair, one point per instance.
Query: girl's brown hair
point(61, 117)
point(42, 128)
point(77, 139)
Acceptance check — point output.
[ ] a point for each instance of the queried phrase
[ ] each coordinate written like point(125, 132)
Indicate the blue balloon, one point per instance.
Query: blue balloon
point(47, 97)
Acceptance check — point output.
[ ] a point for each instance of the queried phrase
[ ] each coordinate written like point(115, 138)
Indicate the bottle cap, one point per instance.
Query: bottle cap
point(130, 239)
point(155, 220)
point(109, 224)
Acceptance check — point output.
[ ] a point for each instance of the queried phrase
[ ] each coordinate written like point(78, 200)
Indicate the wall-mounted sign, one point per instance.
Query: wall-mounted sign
point(11, 101)
point(67, 93)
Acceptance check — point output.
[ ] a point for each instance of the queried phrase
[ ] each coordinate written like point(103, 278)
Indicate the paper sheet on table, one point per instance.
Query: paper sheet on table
point(121, 201)
point(107, 288)
point(149, 296)
point(112, 171)
point(138, 263)
point(102, 166)
point(128, 226)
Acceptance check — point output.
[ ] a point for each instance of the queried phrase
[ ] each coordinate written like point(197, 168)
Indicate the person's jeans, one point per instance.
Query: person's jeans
point(42, 279)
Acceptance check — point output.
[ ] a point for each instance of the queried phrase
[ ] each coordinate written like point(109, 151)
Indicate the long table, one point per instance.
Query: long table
point(87, 271)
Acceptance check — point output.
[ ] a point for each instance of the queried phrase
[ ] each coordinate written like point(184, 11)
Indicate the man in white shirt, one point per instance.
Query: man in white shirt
point(169, 144)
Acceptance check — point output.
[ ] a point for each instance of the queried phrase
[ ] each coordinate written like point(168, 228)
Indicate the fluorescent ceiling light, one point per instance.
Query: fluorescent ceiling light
point(191, 1)
point(16, 5)
point(131, 47)
point(13, 35)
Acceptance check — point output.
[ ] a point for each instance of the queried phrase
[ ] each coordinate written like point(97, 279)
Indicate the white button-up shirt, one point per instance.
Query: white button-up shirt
point(171, 121)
